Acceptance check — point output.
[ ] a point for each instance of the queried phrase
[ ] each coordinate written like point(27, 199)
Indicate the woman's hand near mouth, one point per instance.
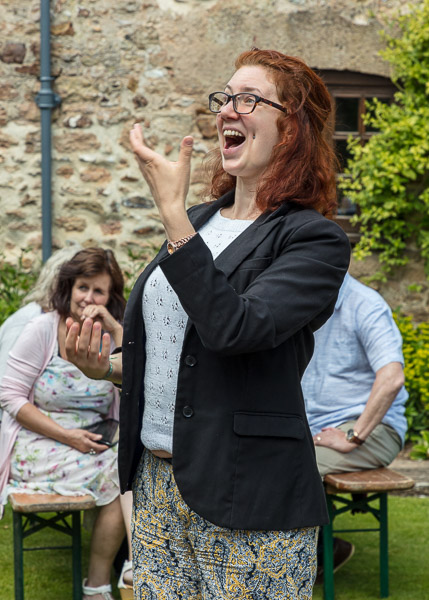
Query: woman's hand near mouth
point(168, 182)
point(98, 312)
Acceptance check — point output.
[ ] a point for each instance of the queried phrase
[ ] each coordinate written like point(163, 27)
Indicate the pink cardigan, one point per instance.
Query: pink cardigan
point(27, 361)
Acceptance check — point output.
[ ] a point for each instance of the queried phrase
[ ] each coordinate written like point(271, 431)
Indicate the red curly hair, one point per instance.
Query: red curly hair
point(302, 165)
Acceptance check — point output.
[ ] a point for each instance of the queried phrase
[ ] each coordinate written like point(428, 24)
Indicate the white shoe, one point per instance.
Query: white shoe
point(103, 591)
point(126, 589)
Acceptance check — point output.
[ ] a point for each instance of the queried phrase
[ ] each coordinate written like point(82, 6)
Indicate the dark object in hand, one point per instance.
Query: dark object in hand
point(108, 429)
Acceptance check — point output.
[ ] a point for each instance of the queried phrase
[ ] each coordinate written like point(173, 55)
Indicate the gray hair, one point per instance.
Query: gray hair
point(46, 281)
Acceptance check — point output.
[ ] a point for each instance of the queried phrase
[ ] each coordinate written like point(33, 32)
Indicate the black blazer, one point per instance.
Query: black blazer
point(243, 455)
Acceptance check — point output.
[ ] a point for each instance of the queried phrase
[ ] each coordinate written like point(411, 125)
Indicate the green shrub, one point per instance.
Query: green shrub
point(15, 283)
point(387, 178)
point(420, 450)
point(416, 356)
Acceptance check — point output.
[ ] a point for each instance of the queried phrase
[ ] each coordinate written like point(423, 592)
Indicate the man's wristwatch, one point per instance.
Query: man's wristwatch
point(173, 246)
point(353, 437)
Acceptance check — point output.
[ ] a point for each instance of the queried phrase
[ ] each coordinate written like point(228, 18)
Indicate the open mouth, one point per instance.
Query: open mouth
point(233, 138)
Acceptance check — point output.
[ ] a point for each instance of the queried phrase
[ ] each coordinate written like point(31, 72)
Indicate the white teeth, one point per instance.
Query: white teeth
point(232, 132)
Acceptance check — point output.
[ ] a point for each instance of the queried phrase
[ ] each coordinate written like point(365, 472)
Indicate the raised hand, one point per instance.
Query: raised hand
point(89, 351)
point(168, 182)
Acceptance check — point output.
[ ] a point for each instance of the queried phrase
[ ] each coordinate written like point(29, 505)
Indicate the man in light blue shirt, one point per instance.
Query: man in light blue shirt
point(354, 385)
point(354, 389)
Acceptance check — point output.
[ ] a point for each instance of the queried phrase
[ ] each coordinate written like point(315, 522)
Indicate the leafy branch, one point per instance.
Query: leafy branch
point(387, 178)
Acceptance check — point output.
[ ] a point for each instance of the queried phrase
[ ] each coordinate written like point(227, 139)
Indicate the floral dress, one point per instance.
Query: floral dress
point(41, 464)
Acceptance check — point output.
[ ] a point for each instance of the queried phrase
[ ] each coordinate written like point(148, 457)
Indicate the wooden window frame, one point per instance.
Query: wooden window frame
point(352, 84)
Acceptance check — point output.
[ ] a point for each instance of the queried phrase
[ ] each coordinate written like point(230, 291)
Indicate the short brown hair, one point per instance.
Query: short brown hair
point(88, 263)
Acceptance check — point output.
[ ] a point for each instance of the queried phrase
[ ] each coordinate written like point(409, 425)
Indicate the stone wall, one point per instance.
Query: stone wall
point(116, 62)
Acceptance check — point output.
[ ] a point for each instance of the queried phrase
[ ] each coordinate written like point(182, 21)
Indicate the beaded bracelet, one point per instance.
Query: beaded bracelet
point(109, 372)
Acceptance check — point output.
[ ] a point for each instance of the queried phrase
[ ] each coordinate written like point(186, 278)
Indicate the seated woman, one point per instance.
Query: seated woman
point(34, 303)
point(48, 403)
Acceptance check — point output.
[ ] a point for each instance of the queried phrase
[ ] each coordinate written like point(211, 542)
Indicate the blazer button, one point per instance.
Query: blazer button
point(187, 411)
point(190, 360)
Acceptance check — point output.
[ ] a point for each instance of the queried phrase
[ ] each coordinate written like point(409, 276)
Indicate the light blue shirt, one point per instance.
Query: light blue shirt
point(360, 338)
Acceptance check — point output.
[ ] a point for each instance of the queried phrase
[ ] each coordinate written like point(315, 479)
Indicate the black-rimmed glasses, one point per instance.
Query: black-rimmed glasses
point(243, 103)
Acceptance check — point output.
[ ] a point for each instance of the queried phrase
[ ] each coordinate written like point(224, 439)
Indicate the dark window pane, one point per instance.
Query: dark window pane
point(342, 152)
point(346, 114)
point(345, 205)
point(383, 101)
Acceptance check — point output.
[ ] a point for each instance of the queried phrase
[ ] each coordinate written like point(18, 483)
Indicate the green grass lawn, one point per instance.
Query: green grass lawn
point(408, 554)
point(47, 574)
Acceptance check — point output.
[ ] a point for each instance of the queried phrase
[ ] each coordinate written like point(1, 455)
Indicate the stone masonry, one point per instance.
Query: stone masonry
point(116, 62)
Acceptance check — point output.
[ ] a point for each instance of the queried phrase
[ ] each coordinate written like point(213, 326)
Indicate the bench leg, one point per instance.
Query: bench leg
point(76, 550)
point(328, 555)
point(384, 551)
point(18, 556)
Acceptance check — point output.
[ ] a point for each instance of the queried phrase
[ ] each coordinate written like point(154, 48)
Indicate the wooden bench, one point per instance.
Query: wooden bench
point(365, 487)
point(27, 521)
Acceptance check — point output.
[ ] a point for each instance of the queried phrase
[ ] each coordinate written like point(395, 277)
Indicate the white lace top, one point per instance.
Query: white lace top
point(165, 323)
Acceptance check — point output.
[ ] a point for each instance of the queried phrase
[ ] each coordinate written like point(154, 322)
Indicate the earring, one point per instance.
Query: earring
point(254, 136)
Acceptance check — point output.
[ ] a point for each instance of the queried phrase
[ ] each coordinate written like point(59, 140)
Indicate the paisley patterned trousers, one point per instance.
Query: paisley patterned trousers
point(178, 555)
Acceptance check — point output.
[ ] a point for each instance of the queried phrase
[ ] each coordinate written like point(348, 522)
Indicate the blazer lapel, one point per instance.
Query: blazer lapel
point(198, 215)
point(235, 253)
point(243, 245)
point(246, 242)
point(201, 213)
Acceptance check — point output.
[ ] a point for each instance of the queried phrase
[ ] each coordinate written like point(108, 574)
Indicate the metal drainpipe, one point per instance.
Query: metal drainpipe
point(46, 100)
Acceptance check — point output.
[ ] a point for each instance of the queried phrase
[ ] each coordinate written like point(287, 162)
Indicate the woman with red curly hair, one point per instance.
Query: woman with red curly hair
point(218, 331)
point(302, 165)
